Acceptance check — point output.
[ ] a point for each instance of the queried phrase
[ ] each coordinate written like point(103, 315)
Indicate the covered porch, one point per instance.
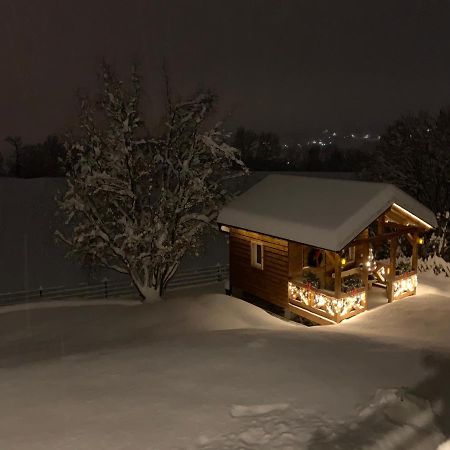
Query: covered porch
point(327, 287)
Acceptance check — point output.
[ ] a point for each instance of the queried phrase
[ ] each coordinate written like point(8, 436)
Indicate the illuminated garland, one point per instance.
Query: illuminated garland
point(404, 285)
point(333, 306)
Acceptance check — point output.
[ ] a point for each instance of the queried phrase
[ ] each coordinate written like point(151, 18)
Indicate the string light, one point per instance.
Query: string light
point(406, 285)
point(336, 307)
point(371, 263)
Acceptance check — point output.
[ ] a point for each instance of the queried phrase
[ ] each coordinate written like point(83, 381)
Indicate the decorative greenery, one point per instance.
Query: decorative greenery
point(351, 283)
point(311, 278)
point(402, 267)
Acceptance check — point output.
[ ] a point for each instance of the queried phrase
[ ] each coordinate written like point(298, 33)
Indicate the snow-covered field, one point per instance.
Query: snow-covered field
point(206, 371)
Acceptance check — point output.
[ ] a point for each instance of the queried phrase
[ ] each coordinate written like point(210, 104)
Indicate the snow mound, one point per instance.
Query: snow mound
point(266, 427)
point(86, 326)
point(256, 410)
point(393, 420)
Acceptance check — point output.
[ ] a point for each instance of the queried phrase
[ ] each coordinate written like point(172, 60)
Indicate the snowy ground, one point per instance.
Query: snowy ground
point(206, 372)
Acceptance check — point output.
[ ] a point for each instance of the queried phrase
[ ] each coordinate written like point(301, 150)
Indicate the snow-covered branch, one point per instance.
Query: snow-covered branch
point(138, 202)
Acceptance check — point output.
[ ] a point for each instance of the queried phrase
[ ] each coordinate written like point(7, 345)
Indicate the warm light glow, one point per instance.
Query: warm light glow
point(404, 285)
point(412, 216)
point(343, 261)
point(420, 241)
point(381, 273)
point(224, 228)
point(321, 302)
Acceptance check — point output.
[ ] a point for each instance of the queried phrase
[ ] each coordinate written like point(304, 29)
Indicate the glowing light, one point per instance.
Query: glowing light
point(406, 285)
point(412, 216)
point(321, 302)
point(343, 261)
point(420, 241)
point(371, 263)
point(224, 228)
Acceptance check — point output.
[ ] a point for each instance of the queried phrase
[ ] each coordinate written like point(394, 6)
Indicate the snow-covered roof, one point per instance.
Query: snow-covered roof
point(325, 213)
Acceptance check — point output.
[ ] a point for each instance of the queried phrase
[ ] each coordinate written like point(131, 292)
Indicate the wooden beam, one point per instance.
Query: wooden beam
point(337, 277)
point(415, 252)
point(365, 272)
point(392, 264)
point(313, 317)
point(381, 237)
point(380, 224)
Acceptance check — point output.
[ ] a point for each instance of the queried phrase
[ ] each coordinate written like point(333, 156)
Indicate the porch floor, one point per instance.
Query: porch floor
point(376, 297)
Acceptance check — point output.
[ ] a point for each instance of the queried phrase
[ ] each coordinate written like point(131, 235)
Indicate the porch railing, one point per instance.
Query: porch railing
point(325, 303)
point(403, 285)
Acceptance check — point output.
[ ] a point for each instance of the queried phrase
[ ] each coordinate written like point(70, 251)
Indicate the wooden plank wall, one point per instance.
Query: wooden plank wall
point(295, 259)
point(270, 283)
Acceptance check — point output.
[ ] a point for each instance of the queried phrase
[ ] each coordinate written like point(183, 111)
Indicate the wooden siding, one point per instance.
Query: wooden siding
point(295, 259)
point(270, 283)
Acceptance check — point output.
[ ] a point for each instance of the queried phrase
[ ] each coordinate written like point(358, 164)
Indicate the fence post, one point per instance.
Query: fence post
point(219, 272)
point(105, 286)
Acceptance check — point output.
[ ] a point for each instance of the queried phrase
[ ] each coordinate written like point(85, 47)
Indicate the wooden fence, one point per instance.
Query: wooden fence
point(107, 288)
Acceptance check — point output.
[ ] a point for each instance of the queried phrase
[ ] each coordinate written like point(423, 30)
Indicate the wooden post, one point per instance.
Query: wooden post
point(337, 276)
point(365, 272)
point(392, 264)
point(380, 225)
point(337, 282)
point(415, 252)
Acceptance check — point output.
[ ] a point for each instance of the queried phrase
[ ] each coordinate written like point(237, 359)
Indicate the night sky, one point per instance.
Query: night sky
point(294, 67)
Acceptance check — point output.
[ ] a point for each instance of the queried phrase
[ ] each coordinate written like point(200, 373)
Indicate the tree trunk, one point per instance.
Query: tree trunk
point(147, 292)
point(152, 285)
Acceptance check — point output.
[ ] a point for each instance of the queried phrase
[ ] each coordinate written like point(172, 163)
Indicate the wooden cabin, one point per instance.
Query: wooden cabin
point(316, 247)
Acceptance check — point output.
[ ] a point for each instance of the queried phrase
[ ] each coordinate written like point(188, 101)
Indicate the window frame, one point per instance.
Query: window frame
point(350, 254)
point(254, 254)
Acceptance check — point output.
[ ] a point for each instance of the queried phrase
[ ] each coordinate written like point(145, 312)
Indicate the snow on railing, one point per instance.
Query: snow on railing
point(107, 288)
point(435, 264)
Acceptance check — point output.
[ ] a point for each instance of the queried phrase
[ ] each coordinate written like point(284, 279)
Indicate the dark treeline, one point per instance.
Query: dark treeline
point(413, 154)
point(263, 151)
point(33, 160)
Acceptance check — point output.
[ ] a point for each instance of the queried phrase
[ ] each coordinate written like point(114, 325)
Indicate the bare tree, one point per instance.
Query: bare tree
point(138, 202)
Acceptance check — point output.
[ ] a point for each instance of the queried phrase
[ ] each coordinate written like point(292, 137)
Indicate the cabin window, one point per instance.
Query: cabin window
point(257, 254)
point(315, 257)
point(350, 254)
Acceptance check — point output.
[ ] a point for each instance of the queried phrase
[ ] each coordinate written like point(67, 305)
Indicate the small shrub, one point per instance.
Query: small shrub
point(402, 267)
point(311, 278)
point(351, 283)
